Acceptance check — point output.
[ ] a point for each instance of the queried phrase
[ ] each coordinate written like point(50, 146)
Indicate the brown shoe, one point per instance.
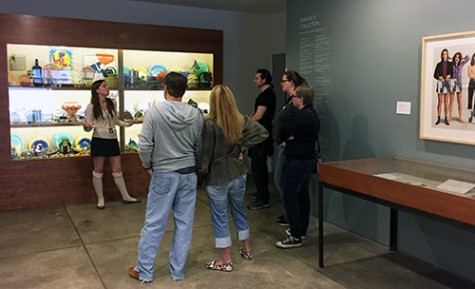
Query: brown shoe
point(136, 275)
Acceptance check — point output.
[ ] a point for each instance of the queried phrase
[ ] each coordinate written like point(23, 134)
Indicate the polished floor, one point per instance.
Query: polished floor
point(78, 246)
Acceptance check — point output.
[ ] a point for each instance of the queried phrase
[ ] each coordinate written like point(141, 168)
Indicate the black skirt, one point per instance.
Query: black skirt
point(101, 147)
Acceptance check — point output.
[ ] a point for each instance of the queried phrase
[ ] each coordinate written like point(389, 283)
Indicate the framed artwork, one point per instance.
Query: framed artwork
point(448, 88)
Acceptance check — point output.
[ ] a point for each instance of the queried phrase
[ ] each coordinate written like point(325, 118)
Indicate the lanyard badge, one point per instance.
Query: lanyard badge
point(111, 129)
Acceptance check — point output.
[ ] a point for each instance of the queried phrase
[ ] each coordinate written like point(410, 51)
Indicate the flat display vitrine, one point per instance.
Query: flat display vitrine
point(436, 190)
point(132, 57)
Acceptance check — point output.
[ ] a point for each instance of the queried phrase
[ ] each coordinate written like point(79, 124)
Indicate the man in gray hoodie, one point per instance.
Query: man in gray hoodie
point(168, 145)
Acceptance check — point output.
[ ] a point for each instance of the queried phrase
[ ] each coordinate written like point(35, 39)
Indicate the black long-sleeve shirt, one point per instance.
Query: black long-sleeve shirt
point(304, 126)
point(281, 118)
point(439, 70)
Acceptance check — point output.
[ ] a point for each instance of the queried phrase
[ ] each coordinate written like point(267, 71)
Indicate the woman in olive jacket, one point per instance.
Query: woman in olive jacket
point(227, 136)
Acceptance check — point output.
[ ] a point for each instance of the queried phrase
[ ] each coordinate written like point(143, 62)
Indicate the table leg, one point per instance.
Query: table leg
point(393, 225)
point(320, 224)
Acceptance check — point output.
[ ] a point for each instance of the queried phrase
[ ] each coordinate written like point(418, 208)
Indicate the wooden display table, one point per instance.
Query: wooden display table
point(401, 184)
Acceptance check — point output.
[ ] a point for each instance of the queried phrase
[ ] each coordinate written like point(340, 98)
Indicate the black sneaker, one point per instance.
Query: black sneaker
point(257, 205)
point(282, 220)
point(288, 234)
point(289, 243)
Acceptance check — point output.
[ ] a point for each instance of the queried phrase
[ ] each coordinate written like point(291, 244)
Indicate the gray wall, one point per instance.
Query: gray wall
point(375, 60)
point(249, 39)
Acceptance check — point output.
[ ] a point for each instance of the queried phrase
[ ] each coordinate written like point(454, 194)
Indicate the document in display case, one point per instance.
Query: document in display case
point(438, 190)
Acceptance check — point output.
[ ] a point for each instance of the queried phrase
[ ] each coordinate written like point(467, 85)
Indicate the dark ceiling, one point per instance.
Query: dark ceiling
point(246, 6)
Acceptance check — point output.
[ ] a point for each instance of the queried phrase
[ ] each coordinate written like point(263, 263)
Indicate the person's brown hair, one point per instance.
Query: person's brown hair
point(97, 110)
point(176, 84)
point(295, 78)
point(305, 92)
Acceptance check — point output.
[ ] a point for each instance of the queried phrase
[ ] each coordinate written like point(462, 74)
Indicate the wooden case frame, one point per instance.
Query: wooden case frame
point(47, 182)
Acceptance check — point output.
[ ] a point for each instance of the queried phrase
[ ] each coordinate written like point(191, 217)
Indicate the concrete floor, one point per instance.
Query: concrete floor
point(78, 246)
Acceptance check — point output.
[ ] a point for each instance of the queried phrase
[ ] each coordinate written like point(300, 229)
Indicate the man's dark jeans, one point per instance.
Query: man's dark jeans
point(260, 175)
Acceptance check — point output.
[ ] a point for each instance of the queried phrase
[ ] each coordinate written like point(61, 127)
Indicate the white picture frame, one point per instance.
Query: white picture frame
point(457, 131)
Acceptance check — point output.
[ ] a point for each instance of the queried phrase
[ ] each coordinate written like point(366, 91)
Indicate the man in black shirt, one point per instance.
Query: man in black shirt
point(264, 110)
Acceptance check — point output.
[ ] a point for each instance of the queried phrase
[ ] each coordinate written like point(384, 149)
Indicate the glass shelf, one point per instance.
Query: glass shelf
point(49, 87)
point(44, 124)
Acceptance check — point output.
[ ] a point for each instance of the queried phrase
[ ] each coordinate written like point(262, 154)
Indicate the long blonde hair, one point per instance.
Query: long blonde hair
point(224, 111)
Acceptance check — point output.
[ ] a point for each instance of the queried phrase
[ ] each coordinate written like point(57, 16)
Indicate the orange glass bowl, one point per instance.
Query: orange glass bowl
point(71, 108)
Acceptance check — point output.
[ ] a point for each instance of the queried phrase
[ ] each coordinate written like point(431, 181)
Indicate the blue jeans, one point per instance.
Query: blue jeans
point(279, 166)
point(218, 196)
point(167, 191)
point(279, 176)
point(296, 174)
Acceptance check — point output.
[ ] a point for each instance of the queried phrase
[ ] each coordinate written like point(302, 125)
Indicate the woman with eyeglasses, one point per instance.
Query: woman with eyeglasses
point(289, 82)
point(299, 135)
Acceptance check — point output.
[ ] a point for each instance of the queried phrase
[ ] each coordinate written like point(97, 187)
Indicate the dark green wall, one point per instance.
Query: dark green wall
point(374, 61)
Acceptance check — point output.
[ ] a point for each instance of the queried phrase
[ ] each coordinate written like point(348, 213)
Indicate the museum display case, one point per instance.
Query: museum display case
point(434, 190)
point(47, 65)
point(47, 110)
point(439, 189)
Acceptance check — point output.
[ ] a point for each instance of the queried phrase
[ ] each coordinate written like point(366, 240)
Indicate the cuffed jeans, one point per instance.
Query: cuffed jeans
point(296, 175)
point(167, 191)
point(218, 195)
